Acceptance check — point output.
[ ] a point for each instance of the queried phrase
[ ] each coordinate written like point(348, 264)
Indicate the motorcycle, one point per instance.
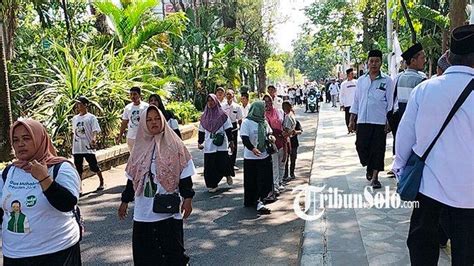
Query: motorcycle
point(313, 104)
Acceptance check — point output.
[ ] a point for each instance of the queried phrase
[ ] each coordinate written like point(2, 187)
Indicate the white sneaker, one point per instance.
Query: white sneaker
point(212, 190)
point(230, 181)
point(281, 188)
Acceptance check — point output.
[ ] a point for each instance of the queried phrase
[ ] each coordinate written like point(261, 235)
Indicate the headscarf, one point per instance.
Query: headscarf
point(172, 156)
point(45, 151)
point(168, 115)
point(213, 118)
point(273, 117)
point(257, 114)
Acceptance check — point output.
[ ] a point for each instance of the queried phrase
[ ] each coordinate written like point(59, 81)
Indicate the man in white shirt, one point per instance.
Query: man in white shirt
point(334, 90)
point(277, 101)
point(234, 112)
point(85, 128)
point(372, 100)
point(245, 106)
point(447, 184)
point(130, 117)
point(220, 93)
point(347, 93)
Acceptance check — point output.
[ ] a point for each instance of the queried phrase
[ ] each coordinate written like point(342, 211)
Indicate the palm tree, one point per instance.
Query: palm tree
point(5, 106)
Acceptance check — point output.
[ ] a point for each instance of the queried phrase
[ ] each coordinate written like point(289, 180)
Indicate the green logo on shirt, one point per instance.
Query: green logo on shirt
point(31, 201)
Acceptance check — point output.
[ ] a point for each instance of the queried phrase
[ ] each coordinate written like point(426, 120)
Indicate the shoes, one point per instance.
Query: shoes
point(230, 181)
point(212, 190)
point(236, 168)
point(390, 174)
point(262, 210)
point(368, 175)
point(281, 188)
point(100, 188)
point(376, 184)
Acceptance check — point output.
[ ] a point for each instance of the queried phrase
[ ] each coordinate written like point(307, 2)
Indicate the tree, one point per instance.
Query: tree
point(275, 70)
point(457, 13)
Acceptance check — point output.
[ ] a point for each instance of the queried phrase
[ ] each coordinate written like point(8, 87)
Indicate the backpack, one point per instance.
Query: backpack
point(76, 211)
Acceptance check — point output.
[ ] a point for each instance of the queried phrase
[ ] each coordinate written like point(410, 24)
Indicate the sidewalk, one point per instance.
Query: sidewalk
point(352, 236)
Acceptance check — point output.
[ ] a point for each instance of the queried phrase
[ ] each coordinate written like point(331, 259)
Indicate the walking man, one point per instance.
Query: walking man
point(334, 91)
point(245, 106)
point(130, 117)
point(347, 93)
point(234, 112)
point(85, 128)
point(371, 104)
point(447, 184)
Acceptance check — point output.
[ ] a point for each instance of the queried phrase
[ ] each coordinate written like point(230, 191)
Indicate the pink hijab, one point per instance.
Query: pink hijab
point(213, 118)
point(45, 152)
point(273, 117)
point(172, 156)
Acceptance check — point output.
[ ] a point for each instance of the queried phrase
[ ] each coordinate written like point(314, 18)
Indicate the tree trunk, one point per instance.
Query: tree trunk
point(444, 42)
point(100, 20)
point(67, 20)
point(457, 13)
point(5, 106)
point(410, 23)
point(261, 76)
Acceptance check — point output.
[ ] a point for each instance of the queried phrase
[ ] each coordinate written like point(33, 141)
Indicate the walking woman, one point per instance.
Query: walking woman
point(155, 100)
point(215, 131)
point(39, 227)
point(159, 173)
point(275, 120)
point(258, 175)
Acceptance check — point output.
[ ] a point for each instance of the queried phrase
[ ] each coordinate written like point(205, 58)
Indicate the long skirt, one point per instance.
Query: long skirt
point(370, 145)
point(216, 166)
point(67, 257)
point(158, 243)
point(258, 180)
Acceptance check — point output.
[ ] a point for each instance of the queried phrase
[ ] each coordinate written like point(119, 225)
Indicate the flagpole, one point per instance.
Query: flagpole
point(389, 32)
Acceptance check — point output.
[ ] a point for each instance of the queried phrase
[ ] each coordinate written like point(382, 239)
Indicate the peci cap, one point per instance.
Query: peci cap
point(412, 51)
point(136, 89)
point(375, 53)
point(443, 62)
point(83, 100)
point(348, 71)
point(462, 40)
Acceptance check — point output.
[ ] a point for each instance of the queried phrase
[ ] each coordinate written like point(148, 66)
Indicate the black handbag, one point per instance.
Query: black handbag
point(270, 147)
point(217, 139)
point(166, 203)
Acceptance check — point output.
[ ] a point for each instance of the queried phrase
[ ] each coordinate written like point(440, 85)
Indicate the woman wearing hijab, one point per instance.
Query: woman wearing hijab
point(159, 164)
point(39, 227)
point(275, 119)
point(258, 176)
point(155, 100)
point(215, 131)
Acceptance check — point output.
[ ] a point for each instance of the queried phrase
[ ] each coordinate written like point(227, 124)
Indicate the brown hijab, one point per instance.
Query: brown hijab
point(45, 152)
point(172, 156)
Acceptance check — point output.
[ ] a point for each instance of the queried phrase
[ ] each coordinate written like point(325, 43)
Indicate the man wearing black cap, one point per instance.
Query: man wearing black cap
point(130, 117)
point(447, 184)
point(346, 96)
point(85, 128)
point(371, 104)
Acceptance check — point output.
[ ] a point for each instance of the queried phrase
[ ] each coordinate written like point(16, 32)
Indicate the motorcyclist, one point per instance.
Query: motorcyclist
point(312, 91)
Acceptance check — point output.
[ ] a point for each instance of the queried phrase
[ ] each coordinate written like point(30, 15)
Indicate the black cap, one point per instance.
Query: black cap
point(375, 53)
point(136, 89)
point(412, 51)
point(83, 100)
point(348, 71)
point(462, 40)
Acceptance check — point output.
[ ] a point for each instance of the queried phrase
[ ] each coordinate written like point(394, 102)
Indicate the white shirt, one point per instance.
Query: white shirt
point(334, 89)
point(346, 96)
point(173, 123)
point(83, 126)
point(372, 99)
point(292, 94)
point(47, 229)
point(209, 147)
point(448, 176)
point(143, 208)
point(249, 128)
point(233, 111)
point(278, 103)
point(132, 114)
point(245, 110)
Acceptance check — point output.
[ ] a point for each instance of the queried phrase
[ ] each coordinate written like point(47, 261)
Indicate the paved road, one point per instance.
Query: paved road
point(220, 230)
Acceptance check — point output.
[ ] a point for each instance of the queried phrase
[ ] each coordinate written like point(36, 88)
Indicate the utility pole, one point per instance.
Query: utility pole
point(389, 32)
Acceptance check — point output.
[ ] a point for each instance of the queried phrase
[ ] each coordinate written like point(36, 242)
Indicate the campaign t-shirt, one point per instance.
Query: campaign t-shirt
point(31, 225)
point(143, 209)
point(82, 127)
point(209, 147)
point(249, 128)
point(132, 114)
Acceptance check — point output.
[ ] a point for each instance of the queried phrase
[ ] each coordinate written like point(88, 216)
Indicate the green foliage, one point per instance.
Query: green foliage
point(275, 70)
point(185, 112)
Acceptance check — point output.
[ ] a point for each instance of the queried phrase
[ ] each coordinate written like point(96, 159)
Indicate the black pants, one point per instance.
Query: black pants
point(158, 243)
point(68, 257)
point(393, 120)
point(370, 145)
point(291, 162)
point(423, 241)
point(91, 160)
point(235, 134)
point(258, 180)
point(216, 166)
point(347, 116)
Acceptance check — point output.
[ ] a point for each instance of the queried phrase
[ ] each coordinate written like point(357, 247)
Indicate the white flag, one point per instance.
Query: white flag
point(396, 57)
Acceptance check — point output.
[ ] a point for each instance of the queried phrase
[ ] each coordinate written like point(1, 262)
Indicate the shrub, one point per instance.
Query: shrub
point(184, 112)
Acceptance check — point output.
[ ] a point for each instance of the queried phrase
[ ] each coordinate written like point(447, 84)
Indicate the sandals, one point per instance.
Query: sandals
point(376, 184)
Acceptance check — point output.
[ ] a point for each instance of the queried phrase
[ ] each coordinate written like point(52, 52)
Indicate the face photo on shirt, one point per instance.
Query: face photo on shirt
point(135, 117)
point(80, 130)
point(18, 222)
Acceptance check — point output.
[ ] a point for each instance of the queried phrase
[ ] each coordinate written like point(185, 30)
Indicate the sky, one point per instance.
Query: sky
point(286, 32)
